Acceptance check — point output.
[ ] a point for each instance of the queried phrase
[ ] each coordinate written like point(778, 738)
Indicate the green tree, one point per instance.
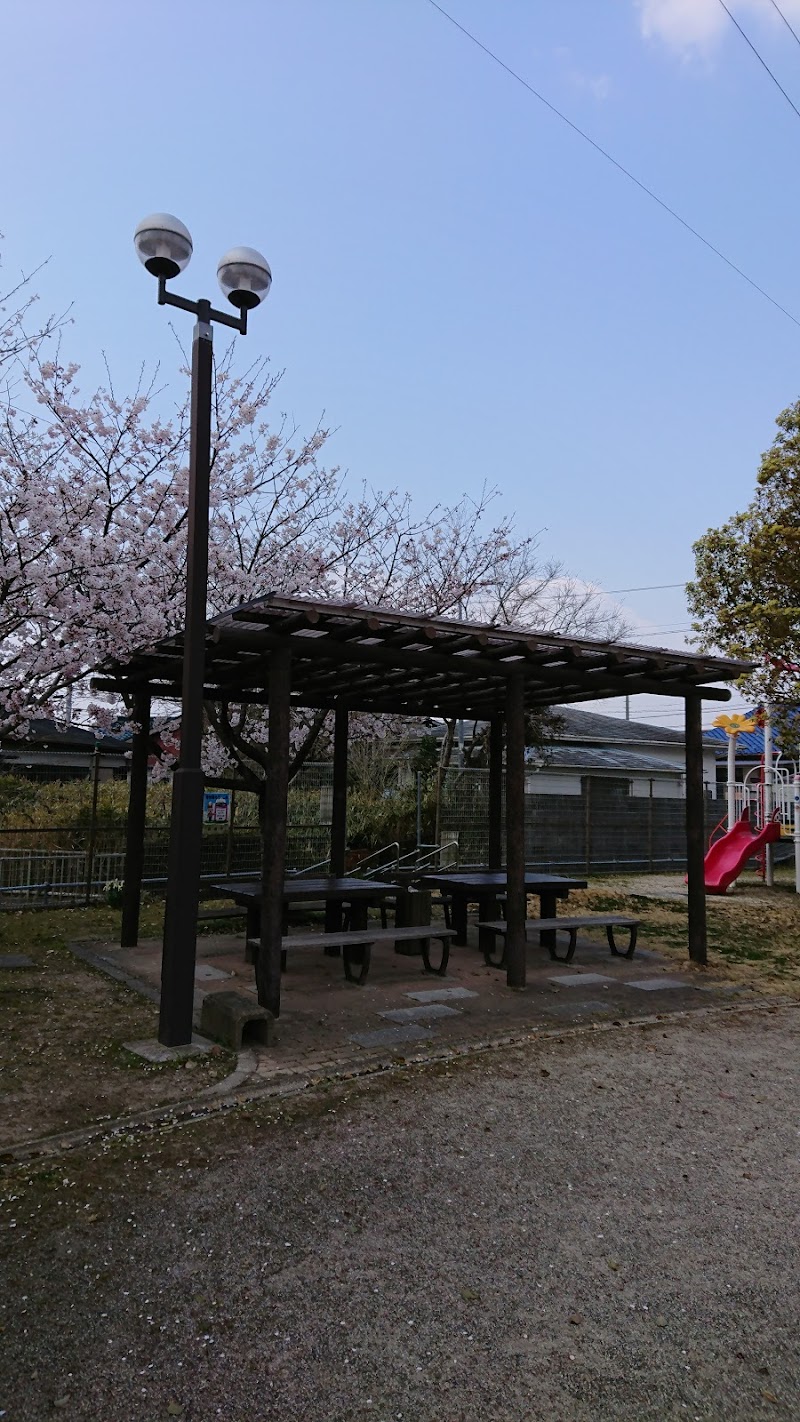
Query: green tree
point(745, 596)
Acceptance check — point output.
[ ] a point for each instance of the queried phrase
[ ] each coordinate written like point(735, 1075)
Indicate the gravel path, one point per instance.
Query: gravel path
point(599, 1228)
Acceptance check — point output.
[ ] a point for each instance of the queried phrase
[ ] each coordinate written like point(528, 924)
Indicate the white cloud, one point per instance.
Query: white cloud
point(598, 85)
point(686, 25)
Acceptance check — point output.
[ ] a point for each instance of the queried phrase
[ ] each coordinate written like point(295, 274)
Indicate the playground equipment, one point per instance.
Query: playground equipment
point(727, 856)
point(763, 809)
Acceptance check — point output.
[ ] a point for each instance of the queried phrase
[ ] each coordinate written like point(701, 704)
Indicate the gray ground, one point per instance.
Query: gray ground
point(602, 1227)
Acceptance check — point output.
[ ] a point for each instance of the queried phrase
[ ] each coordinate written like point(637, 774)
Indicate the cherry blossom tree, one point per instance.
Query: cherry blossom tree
point(93, 525)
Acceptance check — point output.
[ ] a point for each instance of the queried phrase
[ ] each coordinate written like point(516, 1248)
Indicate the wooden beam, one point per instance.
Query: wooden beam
point(516, 901)
point(133, 872)
point(273, 871)
point(495, 794)
point(333, 911)
point(695, 830)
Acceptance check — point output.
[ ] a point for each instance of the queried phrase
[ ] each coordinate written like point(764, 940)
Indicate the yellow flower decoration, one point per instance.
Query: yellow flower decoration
point(736, 723)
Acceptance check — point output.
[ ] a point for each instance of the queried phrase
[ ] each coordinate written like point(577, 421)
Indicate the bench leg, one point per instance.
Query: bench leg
point(356, 957)
point(459, 916)
point(426, 956)
point(488, 951)
point(613, 946)
point(487, 909)
point(570, 953)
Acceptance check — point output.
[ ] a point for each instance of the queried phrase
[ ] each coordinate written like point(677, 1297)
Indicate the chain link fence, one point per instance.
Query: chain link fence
point(64, 842)
point(600, 828)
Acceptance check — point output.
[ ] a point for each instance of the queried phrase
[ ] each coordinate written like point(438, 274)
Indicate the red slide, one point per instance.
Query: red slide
point(726, 859)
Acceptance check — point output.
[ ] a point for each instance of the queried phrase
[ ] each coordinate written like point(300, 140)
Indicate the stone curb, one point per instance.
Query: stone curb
point(294, 1084)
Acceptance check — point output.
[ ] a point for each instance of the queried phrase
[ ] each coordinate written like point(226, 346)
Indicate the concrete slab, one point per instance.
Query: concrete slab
point(657, 984)
point(391, 1036)
point(581, 979)
point(206, 973)
point(16, 960)
point(423, 1013)
point(153, 1051)
point(440, 994)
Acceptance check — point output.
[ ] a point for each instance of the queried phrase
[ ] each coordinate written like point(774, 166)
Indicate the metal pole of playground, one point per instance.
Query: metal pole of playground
point(769, 797)
point(732, 739)
point(797, 832)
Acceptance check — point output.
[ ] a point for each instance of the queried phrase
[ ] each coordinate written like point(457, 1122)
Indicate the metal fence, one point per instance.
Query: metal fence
point(601, 829)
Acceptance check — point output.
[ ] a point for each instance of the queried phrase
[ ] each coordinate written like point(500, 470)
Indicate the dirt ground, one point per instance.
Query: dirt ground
point(64, 1024)
point(62, 1059)
point(597, 1226)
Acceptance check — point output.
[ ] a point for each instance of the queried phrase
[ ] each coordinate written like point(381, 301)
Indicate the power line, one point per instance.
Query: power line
point(759, 57)
point(792, 32)
point(652, 587)
point(615, 163)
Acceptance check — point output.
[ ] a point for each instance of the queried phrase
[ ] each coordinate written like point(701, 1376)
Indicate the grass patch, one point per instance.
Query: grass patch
point(753, 931)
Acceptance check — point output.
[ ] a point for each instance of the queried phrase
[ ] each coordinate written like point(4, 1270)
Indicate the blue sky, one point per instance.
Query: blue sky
point(466, 289)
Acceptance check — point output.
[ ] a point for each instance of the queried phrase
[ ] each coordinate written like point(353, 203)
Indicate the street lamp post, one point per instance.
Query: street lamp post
point(164, 246)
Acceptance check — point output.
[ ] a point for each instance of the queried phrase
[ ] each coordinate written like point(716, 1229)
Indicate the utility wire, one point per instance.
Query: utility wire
point(760, 59)
point(792, 32)
point(614, 162)
point(652, 587)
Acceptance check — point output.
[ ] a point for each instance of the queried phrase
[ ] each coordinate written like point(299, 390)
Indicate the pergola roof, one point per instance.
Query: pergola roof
point(373, 659)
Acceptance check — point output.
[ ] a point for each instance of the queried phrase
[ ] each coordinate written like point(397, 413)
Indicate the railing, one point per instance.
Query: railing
point(426, 855)
point(358, 871)
point(44, 877)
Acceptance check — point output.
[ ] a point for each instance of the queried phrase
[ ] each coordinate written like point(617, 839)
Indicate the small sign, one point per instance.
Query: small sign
point(216, 807)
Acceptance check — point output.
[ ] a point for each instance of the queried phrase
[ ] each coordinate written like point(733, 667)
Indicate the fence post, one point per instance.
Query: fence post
point(650, 829)
point(92, 825)
point(587, 823)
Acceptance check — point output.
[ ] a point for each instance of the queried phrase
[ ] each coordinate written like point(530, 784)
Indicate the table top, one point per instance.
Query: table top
point(249, 890)
point(483, 881)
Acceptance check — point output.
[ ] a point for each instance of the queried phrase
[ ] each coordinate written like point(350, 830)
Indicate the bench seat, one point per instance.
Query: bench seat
point(570, 924)
point(357, 944)
point(212, 913)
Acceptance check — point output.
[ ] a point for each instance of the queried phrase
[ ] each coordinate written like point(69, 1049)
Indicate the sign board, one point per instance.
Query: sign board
point(216, 807)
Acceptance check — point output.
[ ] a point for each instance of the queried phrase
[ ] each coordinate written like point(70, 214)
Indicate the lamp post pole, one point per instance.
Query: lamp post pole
point(165, 246)
point(186, 818)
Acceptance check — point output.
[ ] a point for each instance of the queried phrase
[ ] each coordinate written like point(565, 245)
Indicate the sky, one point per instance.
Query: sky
point(466, 288)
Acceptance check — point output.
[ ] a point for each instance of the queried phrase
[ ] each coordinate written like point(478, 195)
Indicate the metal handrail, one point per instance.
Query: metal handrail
point(385, 864)
point(420, 861)
point(309, 868)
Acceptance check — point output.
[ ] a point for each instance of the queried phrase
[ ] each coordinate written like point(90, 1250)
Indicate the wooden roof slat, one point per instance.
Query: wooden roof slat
point(379, 659)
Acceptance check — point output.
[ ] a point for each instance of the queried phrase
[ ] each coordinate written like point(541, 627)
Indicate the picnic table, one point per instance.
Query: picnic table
point(360, 894)
point(482, 887)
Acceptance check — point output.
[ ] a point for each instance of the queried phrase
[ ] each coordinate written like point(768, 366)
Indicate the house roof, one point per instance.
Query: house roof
point(591, 726)
point(600, 758)
point(374, 659)
point(750, 744)
point(43, 733)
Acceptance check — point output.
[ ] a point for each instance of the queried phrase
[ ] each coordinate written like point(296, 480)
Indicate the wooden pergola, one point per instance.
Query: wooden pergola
point(291, 652)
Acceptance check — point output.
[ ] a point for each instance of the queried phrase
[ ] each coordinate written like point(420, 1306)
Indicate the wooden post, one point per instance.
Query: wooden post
point(695, 830)
point(273, 870)
point(489, 908)
point(333, 911)
point(495, 794)
point(516, 901)
point(134, 832)
point(587, 825)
